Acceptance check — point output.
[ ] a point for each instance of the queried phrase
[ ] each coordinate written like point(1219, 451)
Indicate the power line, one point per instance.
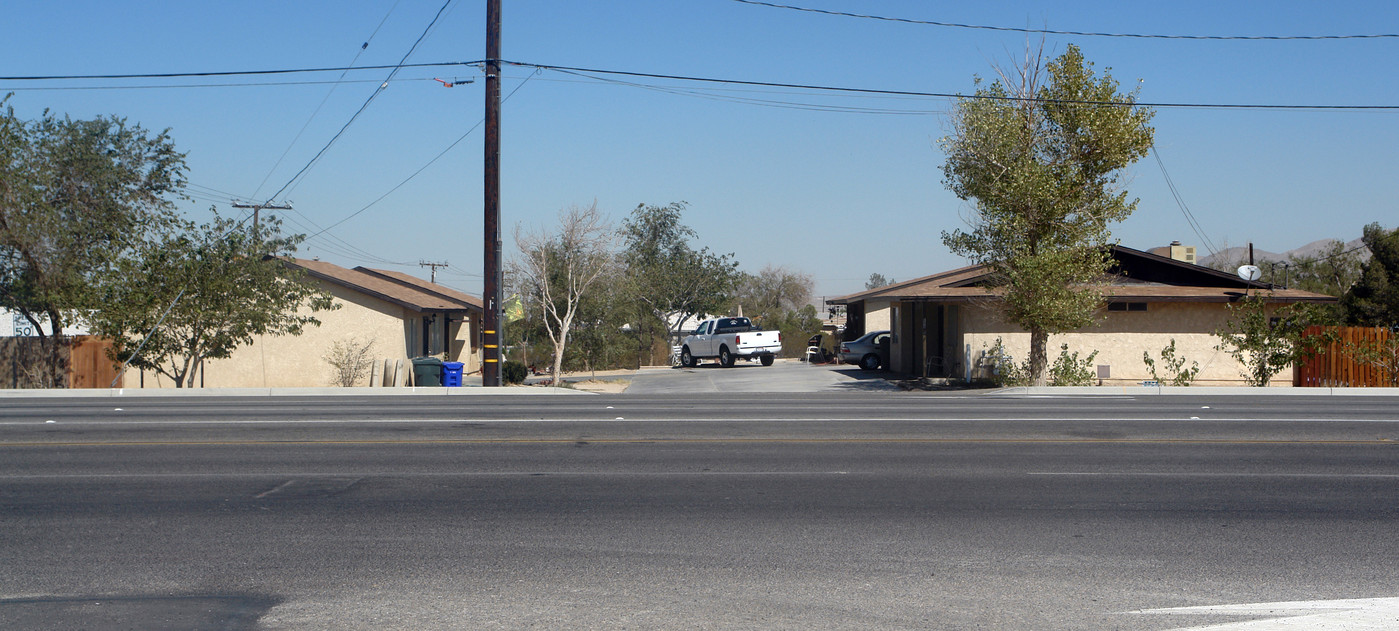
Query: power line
point(945, 95)
point(362, 108)
point(1079, 33)
point(363, 47)
point(425, 166)
point(233, 73)
point(1180, 202)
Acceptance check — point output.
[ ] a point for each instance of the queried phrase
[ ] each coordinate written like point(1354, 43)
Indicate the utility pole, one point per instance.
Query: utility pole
point(258, 208)
point(434, 267)
point(491, 329)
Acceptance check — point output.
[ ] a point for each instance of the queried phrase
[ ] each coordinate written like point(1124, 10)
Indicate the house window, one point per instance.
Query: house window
point(1126, 306)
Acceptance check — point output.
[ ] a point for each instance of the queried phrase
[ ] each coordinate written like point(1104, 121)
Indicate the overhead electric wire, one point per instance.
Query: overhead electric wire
point(363, 107)
point(758, 102)
point(425, 166)
point(363, 47)
point(1180, 202)
point(943, 95)
point(1056, 32)
point(233, 73)
point(175, 86)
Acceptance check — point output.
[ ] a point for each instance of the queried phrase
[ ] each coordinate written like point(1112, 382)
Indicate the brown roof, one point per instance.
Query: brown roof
point(400, 289)
point(1142, 277)
point(414, 281)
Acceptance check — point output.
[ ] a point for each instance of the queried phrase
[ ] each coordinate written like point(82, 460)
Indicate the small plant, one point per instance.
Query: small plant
point(1174, 366)
point(1004, 371)
point(513, 372)
point(350, 361)
point(1069, 370)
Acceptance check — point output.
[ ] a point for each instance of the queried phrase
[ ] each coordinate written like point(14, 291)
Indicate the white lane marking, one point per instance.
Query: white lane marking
point(1362, 614)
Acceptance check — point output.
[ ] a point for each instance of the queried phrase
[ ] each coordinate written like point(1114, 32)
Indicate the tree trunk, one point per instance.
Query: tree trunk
point(1039, 357)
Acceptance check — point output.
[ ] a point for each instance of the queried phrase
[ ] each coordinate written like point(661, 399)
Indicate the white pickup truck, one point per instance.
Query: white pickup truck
point(727, 339)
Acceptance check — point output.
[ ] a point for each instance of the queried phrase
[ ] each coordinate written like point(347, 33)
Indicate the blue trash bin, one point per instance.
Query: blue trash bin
point(451, 374)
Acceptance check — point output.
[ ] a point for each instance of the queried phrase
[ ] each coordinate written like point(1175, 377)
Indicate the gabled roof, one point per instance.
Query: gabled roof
point(394, 287)
point(1138, 276)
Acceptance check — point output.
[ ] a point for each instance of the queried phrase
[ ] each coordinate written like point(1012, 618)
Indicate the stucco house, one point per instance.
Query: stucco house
point(405, 316)
point(942, 324)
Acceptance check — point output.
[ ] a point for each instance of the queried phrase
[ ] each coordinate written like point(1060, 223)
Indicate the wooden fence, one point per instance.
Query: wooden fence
point(1334, 367)
point(23, 362)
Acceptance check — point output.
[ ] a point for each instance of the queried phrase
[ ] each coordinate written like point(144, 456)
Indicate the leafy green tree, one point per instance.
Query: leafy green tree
point(1331, 271)
point(1041, 161)
point(1374, 299)
point(670, 280)
point(1268, 340)
point(76, 196)
point(203, 291)
point(600, 339)
point(878, 280)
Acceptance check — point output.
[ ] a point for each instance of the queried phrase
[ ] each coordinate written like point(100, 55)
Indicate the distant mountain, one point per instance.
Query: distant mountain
point(1239, 255)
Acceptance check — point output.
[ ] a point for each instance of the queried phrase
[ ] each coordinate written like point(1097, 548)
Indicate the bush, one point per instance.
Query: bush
point(350, 360)
point(1174, 366)
point(1069, 370)
point(513, 372)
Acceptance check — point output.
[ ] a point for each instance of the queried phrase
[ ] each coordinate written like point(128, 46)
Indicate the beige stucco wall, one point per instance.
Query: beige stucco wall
point(877, 315)
point(297, 361)
point(1122, 337)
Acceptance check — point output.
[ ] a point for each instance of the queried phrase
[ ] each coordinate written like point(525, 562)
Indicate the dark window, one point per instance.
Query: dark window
point(1126, 306)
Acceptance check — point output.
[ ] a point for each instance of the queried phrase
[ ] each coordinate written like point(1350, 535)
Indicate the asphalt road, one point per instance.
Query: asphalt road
point(845, 510)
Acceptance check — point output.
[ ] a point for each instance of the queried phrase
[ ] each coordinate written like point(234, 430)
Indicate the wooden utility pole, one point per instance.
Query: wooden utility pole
point(491, 329)
point(434, 267)
point(257, 208)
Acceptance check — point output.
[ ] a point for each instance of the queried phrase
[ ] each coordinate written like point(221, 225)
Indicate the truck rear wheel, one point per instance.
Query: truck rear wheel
point(726, 359)
point(767, 360)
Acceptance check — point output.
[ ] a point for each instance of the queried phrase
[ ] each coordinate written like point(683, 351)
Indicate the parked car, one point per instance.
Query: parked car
point(870, 351)
point(727, 339)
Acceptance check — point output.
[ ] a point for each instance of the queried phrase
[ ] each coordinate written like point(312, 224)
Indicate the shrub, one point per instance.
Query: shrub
point(1174, 366)
point(513, 372)
point(1069, 370)
point(350, 361)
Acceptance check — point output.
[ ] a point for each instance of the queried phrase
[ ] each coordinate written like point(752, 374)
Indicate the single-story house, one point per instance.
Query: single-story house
point(403, 315)
point(943, 324)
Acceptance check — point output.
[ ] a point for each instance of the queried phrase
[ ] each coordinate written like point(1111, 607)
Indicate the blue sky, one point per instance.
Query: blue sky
point(835, 186)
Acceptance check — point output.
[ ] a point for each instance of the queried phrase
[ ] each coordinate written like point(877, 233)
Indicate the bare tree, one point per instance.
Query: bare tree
point(555, 269)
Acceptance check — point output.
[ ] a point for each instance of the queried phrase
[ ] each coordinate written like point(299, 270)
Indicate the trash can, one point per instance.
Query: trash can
point(451, 374)
point(427, 371)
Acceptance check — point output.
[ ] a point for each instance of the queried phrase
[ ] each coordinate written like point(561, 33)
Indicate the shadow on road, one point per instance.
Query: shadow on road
point(151, 613)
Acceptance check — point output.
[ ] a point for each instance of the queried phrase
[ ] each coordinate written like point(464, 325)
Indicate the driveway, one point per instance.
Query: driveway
point(783, 376)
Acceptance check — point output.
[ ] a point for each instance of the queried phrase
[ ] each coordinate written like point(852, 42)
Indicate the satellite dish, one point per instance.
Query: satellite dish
point(1250, 272)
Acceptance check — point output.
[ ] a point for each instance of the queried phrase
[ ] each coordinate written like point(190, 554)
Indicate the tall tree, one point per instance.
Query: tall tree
point(1041, 159)
point(671, 281)
point(75, 197)
point(203, 291)
point(558, 268)
point(777, 298)
point(878, 280)
point(1266, 339)
point(1331, 271)
point(1374, 299)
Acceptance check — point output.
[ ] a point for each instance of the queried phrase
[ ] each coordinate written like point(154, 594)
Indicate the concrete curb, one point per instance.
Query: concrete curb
point(285, 392)
point(1086, 391)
